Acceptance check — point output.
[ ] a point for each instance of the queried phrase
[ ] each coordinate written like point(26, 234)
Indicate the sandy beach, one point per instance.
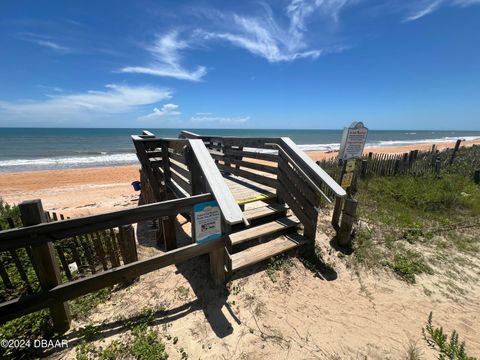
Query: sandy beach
point(77, 192)
point(378, 314)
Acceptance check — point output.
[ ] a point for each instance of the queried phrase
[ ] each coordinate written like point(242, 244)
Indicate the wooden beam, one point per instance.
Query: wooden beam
point(71, 290)
point(228, 206)
point(315, 172)
point(38, 234)
point(45, 263)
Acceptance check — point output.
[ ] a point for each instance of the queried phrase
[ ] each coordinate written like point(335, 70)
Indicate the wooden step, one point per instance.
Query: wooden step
point(266, 250)
point(263, 230)
point(264, 211)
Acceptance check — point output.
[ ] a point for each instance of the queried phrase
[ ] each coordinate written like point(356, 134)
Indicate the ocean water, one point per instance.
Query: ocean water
point(24, 149)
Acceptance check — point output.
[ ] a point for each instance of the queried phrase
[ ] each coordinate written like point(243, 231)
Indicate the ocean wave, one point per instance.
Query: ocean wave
point(68, 162)
point(389, 143)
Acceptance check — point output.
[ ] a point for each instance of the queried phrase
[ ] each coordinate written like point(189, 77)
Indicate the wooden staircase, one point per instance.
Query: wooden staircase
point(271, 232)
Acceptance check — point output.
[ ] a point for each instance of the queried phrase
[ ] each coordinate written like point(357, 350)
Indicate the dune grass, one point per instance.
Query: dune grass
point(400, 216)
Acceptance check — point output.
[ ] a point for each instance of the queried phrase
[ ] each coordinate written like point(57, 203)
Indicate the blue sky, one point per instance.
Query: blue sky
point(393, 64)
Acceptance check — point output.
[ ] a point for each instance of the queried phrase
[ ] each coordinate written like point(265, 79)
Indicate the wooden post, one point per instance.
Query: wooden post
point(127, 239)
point(18, 265)
point(476, 177)
point(5, 278)
point(438, 165)
point(363, 168)
point(168, 222)
point(336, 213)
point(348, 218)
point(3, 273)
point(44, 260)
point(457, 145)
point(396, 167)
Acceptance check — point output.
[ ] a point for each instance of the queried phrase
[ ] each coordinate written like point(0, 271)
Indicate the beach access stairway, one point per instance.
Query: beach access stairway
point(268, 190)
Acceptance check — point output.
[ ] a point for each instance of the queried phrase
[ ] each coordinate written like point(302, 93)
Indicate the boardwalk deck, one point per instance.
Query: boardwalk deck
point(245, 191)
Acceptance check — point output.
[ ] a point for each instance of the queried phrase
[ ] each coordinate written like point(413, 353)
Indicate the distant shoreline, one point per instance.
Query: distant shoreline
point(81, 191)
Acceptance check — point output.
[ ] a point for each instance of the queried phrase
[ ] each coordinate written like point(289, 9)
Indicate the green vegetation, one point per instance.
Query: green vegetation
point(448, 348)
point(413, 202)
point(147, 346)
point(408, 263)
point(402, 218)
point(142, 343)
point(38, 325)
point(412, 352)
point(8, 211)
point(278, 263)
point(83, 305)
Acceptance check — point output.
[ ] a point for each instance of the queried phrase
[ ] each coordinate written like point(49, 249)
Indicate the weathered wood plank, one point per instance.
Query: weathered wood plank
point(11, 239)
point(295, 207)
point(295, 179)
point(230, 209)
point(71, 290)
point(307, 204)
point(251, 165)
point(177, 157)
point(184, 184)
point(252, 155)
point(263, 230)
point(259, 178)
point(316, 173)
point(180, 169)
point(264, 211)
point(265, 251)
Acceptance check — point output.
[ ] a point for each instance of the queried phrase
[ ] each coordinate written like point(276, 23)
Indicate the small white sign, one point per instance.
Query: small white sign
point(73, 267)
point(353, 141)
point(207, 219)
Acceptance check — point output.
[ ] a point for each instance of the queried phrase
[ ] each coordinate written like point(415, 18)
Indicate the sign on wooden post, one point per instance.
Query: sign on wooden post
point(353, 141)
point(207, 221)
point(351, 148)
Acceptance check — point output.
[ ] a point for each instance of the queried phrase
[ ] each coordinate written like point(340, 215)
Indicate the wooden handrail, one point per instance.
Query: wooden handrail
point(312, 184)
point(73, 289)
point(314, 172)
point(228, 206)
point(37, 234)
point(188, 135)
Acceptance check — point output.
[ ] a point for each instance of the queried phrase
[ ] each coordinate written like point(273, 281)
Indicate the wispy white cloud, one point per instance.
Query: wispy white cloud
point(44, 41)
point(166, 110)
point(422, 8)
point(199, 118)
point(167, 60)
point(115, 99)
point(268, 37)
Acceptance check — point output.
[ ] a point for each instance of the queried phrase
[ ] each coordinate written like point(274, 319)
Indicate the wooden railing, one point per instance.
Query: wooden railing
point(281, 164)
point(234, 155)
point(214, 182)
point(41, 237)
point(300, 183)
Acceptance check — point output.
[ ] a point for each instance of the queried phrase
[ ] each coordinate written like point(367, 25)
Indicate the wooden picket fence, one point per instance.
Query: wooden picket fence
point(416, 162)
point(91, 253)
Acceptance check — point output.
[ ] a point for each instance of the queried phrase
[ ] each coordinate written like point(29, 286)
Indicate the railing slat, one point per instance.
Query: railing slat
point(73, 289)
point(11, 239)
point(308, 165)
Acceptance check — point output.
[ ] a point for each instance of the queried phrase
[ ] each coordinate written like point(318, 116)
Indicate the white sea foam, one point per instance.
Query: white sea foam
point(68, 162)
point(422, 141)
point(384, 143)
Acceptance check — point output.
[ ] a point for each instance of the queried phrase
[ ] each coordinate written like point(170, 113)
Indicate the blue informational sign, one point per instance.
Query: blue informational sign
point(207, 220)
